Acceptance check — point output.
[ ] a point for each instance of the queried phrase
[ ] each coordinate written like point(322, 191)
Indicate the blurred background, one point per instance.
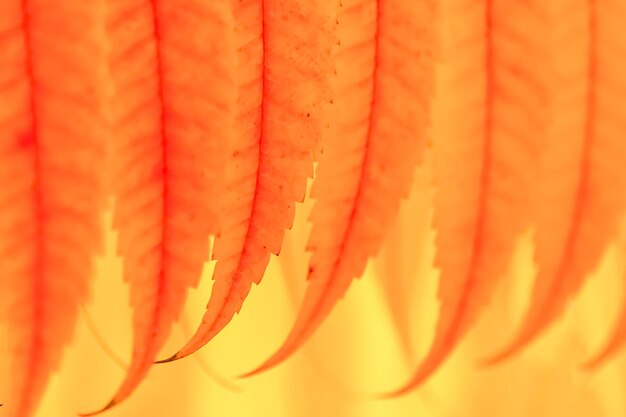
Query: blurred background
point(370, 344)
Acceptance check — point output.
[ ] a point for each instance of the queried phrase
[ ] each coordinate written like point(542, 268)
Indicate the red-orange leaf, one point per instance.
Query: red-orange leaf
point(172, 129)
point(50, 192)
point(289, 43)
point(383, 85)
point(482, 159)
point(579, 199)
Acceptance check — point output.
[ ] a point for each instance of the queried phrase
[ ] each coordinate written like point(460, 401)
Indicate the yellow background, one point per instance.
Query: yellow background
point(363, 348)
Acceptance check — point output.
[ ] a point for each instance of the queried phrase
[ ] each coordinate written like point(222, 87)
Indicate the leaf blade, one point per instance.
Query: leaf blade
point(172, 130)
point(50, 185)
point(380, 137)
point(296, 38)
point(584, 155)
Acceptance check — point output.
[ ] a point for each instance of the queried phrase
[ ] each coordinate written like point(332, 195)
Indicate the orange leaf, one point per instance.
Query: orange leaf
point(384, 70)
point(482, 159)
point(50, 191)
point(289, 43)
point(172, 129)
point(579, 200)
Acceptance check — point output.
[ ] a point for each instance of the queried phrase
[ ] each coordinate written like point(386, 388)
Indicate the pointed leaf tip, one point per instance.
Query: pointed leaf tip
point(511, 349)
point(602, 357)
point(266, 366)
point(110, 405)
point(172, 358)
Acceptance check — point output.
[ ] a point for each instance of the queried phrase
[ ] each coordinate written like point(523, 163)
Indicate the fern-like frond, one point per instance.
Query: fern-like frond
point(482, 158)
point(378, 132)
point(579, 202)
point(290, 42)
point(172, 128)
point(51, 150)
